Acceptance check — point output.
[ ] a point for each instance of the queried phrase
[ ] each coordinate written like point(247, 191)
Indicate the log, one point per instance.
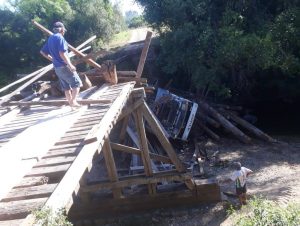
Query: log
point(203, 116)
point(126, 73)
point(257, 132)
point(207, 130)
point(225, 123)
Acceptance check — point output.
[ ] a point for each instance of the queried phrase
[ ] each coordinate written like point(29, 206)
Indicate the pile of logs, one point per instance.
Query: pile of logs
point(210, 119)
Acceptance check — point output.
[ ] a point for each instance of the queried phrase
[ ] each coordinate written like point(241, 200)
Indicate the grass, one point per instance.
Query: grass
point(120, 39)
point(260, 212)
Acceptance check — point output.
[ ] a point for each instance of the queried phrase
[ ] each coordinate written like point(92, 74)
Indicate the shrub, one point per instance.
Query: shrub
point(262, 212)
point(47, 217)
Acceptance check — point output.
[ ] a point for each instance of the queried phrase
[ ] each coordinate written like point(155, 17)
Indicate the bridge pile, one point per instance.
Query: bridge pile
point(50, 153)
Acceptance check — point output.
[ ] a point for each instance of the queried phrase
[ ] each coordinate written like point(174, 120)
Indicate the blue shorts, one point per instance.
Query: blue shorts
point(68, 79)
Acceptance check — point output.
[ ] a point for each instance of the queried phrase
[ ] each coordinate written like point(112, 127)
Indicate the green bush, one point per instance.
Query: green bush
point(46, 217)
point(262, 212)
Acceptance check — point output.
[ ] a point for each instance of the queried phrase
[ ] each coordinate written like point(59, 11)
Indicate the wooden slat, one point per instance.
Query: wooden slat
point(32, 181)
point(49, 171)
point(151, 119)
point(114, 110)
point(33, 192)
point(57, 102)
point(59, 160)
point(19, 209)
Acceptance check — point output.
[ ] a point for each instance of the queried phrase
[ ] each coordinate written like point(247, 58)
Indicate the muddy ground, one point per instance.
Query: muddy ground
point(276, 176)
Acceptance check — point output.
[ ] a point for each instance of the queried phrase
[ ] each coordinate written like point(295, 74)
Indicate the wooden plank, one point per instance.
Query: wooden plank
point(153, 123)
point(59, 160)
point(19, 209)
point(49, 171)
point(137, 180)
point(33, 192)
point(32, 181)
point(135, 151)
point(57, 102)
point(134, 205)
point(111, 167)
point(61, 197)
point(114, 110)
point(144, 54)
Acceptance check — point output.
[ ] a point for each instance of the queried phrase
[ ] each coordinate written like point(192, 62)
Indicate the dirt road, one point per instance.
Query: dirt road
point(138, 34)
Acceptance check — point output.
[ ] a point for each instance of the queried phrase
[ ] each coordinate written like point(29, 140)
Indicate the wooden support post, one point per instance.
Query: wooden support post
point(144, 55)
point(112, 79)
point(111, 167)
point(153, 123)
point(123, 129)
point(139, 121)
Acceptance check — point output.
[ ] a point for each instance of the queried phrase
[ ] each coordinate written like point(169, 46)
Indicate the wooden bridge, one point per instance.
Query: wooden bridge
point(46, 151)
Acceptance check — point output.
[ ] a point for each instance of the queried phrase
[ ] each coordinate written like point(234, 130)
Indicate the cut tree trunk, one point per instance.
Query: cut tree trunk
point(225, 123)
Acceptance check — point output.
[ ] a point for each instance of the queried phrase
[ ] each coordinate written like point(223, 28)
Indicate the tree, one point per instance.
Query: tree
point(224, 45)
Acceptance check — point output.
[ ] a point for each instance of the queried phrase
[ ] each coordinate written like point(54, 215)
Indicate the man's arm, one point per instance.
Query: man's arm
point(66, 59)
point(47, 56)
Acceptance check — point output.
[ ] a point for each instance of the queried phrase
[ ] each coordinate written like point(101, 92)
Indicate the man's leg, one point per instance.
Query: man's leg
point(75, 92)
point(69, 98)
point(244, 198)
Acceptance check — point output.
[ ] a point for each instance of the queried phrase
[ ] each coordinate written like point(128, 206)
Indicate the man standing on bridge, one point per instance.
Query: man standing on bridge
point(56, 50)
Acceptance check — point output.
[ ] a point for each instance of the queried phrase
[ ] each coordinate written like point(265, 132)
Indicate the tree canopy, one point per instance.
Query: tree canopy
point(229, 46)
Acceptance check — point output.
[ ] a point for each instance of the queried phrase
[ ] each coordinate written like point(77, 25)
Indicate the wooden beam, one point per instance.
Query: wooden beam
point(138, 179)
point(126, 73)
point(144, 54)
point(56, 102)
point(130, 108)
point(153, 123)
point(135, 151)
point(139, 122)
point(123, 128)
point(115, 110)
point(89, 61)
point(111, 167)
